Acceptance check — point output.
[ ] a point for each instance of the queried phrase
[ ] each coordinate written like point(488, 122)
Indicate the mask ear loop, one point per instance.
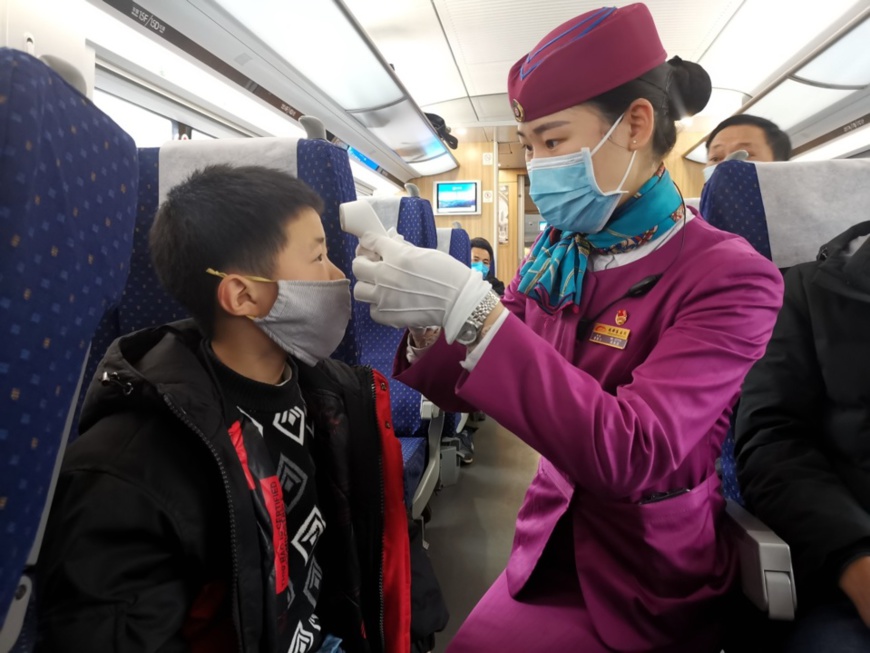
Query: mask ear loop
point(627, 172)
point(630, 163)
point(607, 135)
point(223, 275)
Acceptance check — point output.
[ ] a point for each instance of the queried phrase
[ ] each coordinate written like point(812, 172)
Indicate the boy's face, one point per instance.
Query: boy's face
point(304, 256)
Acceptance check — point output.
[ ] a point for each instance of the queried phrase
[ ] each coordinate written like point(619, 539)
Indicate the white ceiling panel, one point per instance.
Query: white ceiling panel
point(456, 113)
point(488, 78)
point(454, 55)
point(475, 135)
point(493, 108)
point(488, 36)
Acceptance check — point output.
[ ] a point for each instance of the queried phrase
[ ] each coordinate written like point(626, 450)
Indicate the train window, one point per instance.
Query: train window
point(148, 129)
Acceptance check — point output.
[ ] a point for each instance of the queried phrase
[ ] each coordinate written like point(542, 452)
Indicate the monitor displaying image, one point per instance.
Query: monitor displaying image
point(457, 197)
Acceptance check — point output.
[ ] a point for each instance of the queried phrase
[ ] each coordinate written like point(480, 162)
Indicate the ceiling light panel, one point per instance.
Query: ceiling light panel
point(317, 39)
point(404, 130)
point(434, 166)
point(854, 142)
point(791, 103)
point(845, 63)
point(409, 36)
point(763, 36)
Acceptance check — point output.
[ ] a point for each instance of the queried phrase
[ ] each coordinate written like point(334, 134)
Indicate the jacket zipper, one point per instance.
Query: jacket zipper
point(371, 374)
point(127, 389)
point(182, 415)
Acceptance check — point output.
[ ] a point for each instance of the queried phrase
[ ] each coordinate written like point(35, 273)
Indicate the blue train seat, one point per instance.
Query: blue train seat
point(68, 183)
point(456, 243)
point(412, 218)
point(786, 211)
point(732, 200)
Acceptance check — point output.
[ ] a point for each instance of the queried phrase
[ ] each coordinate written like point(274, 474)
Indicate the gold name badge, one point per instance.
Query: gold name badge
point(611, 336)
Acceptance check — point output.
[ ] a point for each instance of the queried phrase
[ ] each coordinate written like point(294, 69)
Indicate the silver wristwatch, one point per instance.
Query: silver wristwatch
point(470, 331)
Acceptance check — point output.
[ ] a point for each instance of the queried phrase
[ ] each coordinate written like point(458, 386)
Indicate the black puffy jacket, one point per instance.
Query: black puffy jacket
point(151, 544)
point(803, 428)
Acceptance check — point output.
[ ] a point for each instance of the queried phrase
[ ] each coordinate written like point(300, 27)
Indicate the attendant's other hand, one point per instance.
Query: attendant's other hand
point(424, 337)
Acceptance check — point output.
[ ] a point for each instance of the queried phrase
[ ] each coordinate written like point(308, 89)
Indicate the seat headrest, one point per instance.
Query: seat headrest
point(444, 236)
point(179, 159)
point(387, 209)
point(70, 73)
point(809, 203)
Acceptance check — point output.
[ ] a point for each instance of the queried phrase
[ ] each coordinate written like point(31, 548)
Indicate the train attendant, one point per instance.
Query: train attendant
point(617, 353)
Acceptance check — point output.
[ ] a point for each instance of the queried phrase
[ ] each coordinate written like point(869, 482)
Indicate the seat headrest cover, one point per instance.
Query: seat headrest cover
point(387, 209)
point(179, 159)
point(808, 203)
point(444, 236)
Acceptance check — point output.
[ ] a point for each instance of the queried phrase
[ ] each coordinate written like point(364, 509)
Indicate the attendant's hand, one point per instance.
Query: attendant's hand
point(855, 582)
point(414, 287)
point(370, 255)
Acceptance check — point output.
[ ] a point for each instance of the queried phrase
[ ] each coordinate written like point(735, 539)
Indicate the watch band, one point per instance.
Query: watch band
point(484, 308)
point(470, 333)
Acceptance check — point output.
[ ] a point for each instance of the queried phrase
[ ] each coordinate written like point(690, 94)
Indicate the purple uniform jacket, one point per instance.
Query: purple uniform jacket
point(616, 426)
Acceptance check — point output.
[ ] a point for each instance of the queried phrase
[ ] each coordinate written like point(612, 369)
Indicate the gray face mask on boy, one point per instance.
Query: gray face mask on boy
point(309, 318)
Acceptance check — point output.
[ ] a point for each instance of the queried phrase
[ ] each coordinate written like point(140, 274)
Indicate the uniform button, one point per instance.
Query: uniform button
point(388, 425)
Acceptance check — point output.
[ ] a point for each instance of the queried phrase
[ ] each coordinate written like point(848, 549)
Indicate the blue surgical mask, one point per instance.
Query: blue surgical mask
point(739, 155)
point(481, 267)
point(566, 193)
point(708, 172)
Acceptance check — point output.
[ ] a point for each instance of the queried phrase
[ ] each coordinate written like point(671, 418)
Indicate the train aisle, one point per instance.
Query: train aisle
point(472, 524)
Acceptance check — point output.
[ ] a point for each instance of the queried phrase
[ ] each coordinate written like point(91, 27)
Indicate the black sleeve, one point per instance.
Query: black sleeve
point(497, 286)
point(785, 476)
point(110, 572)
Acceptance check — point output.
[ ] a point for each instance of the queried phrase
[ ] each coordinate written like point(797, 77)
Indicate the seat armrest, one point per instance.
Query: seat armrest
point(12, 625)
point(766, 574)
point(429, 481)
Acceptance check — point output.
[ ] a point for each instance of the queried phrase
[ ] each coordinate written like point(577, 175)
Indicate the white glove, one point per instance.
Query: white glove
point(415, 287)
point(370, 255)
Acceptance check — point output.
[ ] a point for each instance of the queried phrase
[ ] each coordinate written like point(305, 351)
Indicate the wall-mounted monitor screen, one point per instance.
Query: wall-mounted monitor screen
point(457, 198)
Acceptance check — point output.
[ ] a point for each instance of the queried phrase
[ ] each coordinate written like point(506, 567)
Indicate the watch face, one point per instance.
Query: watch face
point(467, 334)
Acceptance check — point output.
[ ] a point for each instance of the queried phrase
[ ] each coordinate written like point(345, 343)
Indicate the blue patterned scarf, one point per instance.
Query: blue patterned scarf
point(553, 273)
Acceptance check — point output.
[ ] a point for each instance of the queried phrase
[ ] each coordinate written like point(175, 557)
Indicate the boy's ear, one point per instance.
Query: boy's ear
point(240, 297)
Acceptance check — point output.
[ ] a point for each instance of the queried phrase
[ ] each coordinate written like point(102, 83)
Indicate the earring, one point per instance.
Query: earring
point(635, 141)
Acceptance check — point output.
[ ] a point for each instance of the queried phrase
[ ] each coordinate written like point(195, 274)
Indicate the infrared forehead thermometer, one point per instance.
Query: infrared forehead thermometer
point(358, 218)
point(739, 155)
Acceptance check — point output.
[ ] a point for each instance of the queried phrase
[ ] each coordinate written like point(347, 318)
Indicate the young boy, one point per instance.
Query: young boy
point(224, 495)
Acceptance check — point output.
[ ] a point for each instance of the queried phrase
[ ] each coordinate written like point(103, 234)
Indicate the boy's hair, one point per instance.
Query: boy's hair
point(227, 218)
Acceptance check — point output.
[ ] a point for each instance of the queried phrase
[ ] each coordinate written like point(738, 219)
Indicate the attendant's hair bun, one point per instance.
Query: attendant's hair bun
point(688, 88)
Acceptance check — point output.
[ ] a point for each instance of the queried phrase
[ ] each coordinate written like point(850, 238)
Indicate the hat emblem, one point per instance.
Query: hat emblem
point(519, 113)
